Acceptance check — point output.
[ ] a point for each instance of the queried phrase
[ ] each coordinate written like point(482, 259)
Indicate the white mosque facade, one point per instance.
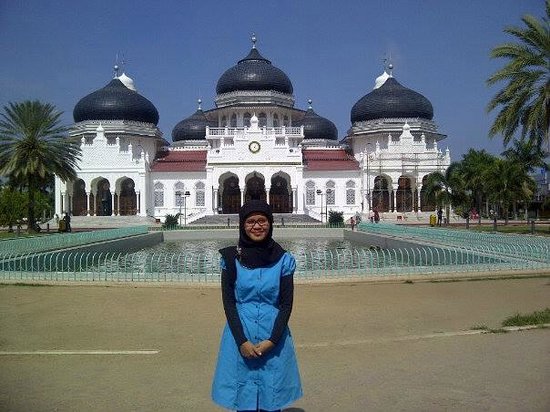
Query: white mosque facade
point(253, 144)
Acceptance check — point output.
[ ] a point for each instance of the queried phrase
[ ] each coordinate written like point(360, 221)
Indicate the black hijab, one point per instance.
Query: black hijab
point(250, 253)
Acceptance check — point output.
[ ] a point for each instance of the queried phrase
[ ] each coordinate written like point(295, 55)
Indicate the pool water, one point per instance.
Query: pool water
point(295, 246)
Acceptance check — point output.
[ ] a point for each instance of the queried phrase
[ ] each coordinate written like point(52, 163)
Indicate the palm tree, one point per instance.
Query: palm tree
point(524, 102)
point(33, 147)
point(447, 188)
point(526, 154)
point(508, 182)
point(472, 169)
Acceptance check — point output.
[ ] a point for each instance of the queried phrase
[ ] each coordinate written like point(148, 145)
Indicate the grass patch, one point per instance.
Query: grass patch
point(518, 229)
point(535, 318)
point(26, 284)
point(479, 327)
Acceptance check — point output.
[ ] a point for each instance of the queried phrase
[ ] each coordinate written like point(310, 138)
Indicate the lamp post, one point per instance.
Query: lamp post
point(329, 191)
point(185, 195)
point(320, 193)
point(178, 202)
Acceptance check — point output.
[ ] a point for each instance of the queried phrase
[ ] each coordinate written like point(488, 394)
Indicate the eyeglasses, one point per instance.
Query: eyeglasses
point(260, 222)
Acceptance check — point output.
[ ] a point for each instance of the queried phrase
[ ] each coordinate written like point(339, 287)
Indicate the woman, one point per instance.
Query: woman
point(257, 367)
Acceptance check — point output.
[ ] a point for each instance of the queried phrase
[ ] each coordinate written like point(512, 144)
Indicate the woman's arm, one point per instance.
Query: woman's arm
point(286, 298)
point(230, 308)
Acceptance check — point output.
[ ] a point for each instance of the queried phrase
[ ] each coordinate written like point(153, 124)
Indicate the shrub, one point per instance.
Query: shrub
point(335, 218)
point(171, 221)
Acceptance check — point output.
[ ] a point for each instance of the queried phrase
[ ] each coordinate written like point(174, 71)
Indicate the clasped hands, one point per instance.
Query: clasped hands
point(249, 350)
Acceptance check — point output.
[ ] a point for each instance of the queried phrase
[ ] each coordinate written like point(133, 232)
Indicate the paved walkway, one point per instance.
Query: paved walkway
point(361, 346)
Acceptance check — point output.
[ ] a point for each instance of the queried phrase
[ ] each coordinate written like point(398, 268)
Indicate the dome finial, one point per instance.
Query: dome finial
point(253, 38)
point(309, 101)
point(199, 101)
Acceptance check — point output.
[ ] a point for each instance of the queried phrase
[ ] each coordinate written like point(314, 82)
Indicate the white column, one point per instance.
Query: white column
point(138, 203)
point(242, 196)
point(419, 198)
point(113, 203)
point(65, 202)
point(267, 189)
point(215, 200)
point(394, 196)
point(88, 203)
point(294, 200)
point(300, 200)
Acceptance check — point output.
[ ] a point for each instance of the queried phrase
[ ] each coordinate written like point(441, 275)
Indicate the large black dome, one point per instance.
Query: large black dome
point(317, 127)
point(254, 72)
point(391, 100)
point(115, 102)
point(192, 128)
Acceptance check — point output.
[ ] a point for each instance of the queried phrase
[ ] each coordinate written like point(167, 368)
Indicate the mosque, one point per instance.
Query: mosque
point(253, 144)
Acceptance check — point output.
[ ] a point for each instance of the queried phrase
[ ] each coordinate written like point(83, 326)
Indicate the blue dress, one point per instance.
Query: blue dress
point(269, 382)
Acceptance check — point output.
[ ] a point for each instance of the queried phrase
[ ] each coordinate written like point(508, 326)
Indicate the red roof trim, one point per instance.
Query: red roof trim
point(180, 161)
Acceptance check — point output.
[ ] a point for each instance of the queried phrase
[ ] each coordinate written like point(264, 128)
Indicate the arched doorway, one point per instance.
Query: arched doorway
point(231, 195)
point(381, 194)
point(80, 201)
point(280, 198)
point(103, 199)
point(427, 203)
point(404, 195)
point(255, 188)
point(127, 199)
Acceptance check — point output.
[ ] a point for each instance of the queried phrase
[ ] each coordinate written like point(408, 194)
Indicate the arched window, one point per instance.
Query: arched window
point(262, 120)
point(246, 120)
point(224, 121)
point(310, 193)
point(159, 194)
point(179, 190)
point(275, 120)
point(286, 122)
point(350, 192)
point(233, 120)
point(199, 194)
point(330, 190)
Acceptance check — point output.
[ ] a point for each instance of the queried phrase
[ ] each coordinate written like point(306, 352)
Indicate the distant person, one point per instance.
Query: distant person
point(352, 223)
point(67, 219)
point(439, 216)
point(257, 368)
point(376, 216)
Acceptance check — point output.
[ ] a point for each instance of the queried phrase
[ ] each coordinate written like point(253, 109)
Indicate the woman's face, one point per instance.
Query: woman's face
point(256, 226)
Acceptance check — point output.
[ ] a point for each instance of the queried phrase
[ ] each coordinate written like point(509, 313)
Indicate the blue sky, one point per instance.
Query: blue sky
point(332, 51)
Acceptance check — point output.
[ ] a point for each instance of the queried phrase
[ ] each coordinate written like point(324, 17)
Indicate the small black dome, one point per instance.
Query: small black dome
point(192, 128)
point(115, 102)
point(254, 72)
point(317, 127)
point(391, 100)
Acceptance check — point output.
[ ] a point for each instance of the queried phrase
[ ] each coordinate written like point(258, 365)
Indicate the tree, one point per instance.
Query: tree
point(524, 102)
point(526, 154)
point(33, 147)
point(447, 188)
point(473, 166)
point(507, 183)
point(12, 206)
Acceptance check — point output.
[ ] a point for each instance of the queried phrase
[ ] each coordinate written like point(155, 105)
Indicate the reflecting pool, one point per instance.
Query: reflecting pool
point(295, 246)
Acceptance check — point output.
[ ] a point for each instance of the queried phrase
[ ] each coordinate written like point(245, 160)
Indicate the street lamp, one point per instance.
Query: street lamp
point(329, 191)
point(320, 193)
point(178, 203)
point(185, 195)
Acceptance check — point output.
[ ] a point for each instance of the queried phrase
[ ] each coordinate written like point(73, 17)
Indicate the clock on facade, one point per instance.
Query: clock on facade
point(254, 147)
